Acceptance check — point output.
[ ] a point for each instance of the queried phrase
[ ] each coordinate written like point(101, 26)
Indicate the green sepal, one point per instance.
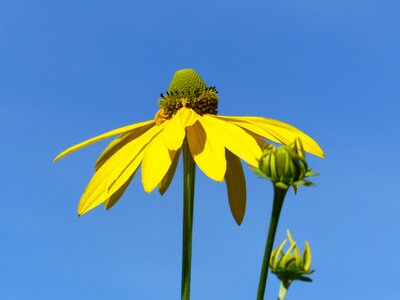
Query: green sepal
point(281, 185)
point(311, 173)
point(305, 279)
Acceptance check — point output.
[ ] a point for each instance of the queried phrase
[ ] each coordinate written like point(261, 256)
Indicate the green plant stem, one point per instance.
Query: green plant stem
point(279, 196)
point(283, 289)
point(189, 172)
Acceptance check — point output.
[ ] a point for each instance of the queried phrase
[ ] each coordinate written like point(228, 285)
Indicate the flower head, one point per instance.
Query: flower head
point(188, 110)
point(285, 165)
point(291, 266)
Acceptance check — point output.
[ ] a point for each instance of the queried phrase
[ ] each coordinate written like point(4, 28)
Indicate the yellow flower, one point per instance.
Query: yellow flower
point(217, 143)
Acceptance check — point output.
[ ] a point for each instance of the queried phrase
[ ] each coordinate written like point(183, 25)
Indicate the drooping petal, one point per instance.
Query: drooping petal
point(276, 131)
point(234, 138)
point(102, 185)
point(174, 133)
point(260, 142)
point(110, 202)
point(188, 116)
point(119, 142)
point(236, 186)
point(207, 151)
point(166, 181)
point(103, 136)
point(116, 171)
point(156, 162)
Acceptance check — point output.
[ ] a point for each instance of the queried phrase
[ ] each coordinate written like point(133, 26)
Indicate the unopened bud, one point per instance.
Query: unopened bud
point(285, 165)
point(291, 266)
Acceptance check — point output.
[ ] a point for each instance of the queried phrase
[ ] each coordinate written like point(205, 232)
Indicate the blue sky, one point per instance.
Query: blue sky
point(70, 70)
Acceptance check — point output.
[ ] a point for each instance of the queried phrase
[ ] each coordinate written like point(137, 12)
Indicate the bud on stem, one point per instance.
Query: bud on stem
point(284, 166)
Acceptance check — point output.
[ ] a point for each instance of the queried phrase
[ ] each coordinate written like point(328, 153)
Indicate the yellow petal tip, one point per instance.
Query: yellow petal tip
point(147, 189)
point(81, 211)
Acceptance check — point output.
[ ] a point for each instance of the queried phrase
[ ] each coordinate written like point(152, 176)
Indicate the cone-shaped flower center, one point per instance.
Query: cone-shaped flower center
point(188, 89)
point(186, 80)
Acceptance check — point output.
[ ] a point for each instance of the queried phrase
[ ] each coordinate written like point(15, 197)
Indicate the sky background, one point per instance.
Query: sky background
point(70, 70)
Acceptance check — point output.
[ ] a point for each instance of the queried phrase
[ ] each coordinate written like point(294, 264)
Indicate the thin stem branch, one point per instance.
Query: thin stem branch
point(279, 196)
point(283, 289)
point(189, 172)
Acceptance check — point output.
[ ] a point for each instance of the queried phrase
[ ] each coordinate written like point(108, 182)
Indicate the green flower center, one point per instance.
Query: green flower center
point(188, 89)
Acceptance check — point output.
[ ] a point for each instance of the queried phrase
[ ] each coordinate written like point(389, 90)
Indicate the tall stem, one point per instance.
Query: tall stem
point(189, 172)
point(279, 196)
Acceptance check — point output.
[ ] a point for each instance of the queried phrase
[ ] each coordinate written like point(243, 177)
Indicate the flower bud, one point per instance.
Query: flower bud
point(285, 165)
point(291, 266)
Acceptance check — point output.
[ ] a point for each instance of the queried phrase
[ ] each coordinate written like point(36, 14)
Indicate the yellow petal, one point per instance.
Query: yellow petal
point(106, 183)
point(110, 202)
point(103, 136)
point(276, 131)
point(236, 185)
point(166, 181)
point(115, 172)
point(188, 116)
point(207, 151)
point(234, 138)
point(174, 133)
point(156, 162)
point(260, 142)
point(119, 142)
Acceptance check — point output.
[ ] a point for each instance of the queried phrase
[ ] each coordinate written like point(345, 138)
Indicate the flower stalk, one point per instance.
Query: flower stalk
point(284, 166)
point(283, 289)
point(189, 172)
point(279, 196)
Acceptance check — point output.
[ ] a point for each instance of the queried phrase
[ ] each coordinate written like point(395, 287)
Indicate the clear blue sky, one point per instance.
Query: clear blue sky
point(70, 70)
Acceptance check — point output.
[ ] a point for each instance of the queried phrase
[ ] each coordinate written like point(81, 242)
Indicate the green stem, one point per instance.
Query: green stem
point(189, 172)
point(283, 289)
point(279, 196)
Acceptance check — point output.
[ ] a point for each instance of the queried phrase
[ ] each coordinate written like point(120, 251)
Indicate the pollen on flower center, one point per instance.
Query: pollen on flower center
point(188, 89)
